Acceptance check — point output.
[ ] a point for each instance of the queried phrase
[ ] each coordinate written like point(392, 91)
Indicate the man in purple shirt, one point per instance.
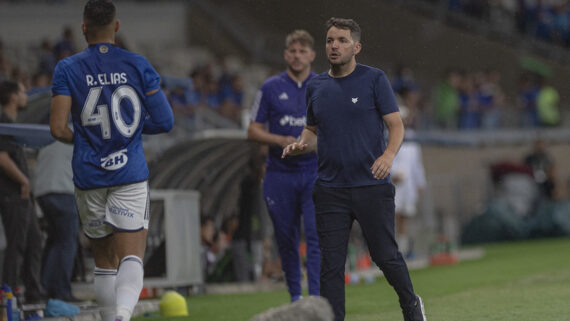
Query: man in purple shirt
point(278, 117)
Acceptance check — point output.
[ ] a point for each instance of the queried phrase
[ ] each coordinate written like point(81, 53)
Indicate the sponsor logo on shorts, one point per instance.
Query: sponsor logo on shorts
point(115, 160)
point(121, 211)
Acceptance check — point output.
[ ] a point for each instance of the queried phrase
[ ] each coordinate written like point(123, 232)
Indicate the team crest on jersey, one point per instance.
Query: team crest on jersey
point(354, 100)
point(103, 49)
point(115, 160)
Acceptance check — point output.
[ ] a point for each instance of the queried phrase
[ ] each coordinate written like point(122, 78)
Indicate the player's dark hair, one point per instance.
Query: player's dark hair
point(7, 89)
point(300, 36)
point(347, 24)
point(98, 14)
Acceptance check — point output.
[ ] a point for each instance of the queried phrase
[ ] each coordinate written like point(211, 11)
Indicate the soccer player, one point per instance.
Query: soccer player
point(346, 111)
point(113, 97)
point(288, 183)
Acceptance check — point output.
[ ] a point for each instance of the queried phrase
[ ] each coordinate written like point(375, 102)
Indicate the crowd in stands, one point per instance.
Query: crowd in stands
point(476, 100)
point(548, 20)
point(209, 87)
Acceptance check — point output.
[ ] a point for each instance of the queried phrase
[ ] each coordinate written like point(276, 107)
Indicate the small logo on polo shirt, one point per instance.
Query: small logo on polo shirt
point(103, 49)
point(355, 100)
point(283, 96)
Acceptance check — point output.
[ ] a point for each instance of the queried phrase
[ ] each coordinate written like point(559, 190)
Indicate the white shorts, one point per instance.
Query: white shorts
point(105, 210)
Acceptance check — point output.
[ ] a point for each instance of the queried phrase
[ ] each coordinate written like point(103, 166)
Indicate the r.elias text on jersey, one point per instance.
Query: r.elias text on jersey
point(113, 78)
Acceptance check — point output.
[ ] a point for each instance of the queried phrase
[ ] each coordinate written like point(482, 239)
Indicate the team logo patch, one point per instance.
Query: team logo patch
point(115, 160)
point(355, 100)
point(103, 49)
point(283, 96)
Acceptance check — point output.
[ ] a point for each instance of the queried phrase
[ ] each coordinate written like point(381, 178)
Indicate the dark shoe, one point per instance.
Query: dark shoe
point(417, 312)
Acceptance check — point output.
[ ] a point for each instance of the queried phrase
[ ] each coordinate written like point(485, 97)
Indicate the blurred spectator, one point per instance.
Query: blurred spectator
point(543, 169)
point(232, 97)
point(213, 97)
point(247, 242)
point(528, 94)
point(547, 104)
point(218, 267)
point(207, 231)
point(46, 58)
point(411, 98)
point(491, 99)
point(66, 46)
point(447, 100)
point(41, 82)
point(561, 24)
point(22, 259)
point(403, 79)
point(5, 67)
point(54, 192)
point(409, 180)
point(182, 106)
point(469, 112)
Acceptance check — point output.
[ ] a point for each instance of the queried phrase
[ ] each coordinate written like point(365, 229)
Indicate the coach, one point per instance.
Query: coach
point(346, 111)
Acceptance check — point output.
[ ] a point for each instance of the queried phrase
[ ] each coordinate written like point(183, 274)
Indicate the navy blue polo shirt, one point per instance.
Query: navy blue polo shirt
point(281, 104)
point(347, 112)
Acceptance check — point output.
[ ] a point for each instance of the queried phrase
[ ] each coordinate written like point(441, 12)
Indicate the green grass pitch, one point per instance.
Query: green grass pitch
point(523, 281)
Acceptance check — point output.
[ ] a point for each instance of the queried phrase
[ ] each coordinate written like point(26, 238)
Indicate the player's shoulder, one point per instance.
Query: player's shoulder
point(318, 79)
point(72, 60)
point(132, 56)
point(273, 82)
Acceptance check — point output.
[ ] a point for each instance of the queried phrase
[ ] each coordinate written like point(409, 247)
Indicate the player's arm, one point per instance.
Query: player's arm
point(258, 133)
point(306, 144)
point(14, 173)
point(59, 114)
point(160, 117)
point(381, 167)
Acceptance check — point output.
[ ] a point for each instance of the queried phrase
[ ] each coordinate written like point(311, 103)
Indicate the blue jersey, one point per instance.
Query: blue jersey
point(281, 103)
point(107, 86)
point(348, 112)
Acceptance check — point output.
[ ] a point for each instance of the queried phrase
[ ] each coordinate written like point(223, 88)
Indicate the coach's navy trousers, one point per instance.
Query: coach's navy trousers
point(373, 207)
point(288, 196)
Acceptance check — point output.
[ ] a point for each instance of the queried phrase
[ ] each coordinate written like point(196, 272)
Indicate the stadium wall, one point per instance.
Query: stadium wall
point(145, 23)
point(392, 34)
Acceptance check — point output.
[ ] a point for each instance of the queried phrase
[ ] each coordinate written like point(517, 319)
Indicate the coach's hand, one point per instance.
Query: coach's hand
point(382, 166)
point(293, 149)
point(287, 140)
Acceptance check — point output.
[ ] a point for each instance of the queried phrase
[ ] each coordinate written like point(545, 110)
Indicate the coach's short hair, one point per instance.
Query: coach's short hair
point(98, 14)
point(7, 89)
point(300, 36)
point(347, 24)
